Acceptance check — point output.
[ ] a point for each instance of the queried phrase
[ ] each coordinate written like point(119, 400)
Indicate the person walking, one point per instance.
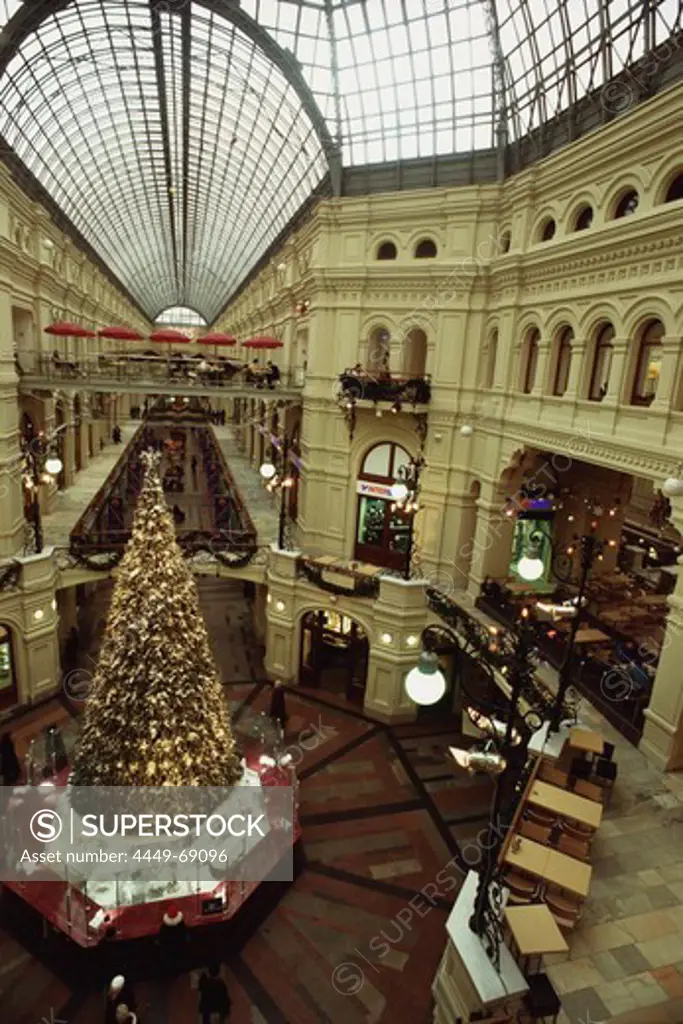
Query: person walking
point(119, 994)
point(124, 1015)
point(277, 711)
point(214, 998)
point(172, 939)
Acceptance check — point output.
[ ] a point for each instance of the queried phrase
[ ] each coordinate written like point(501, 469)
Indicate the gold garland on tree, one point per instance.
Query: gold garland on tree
point(156, 714)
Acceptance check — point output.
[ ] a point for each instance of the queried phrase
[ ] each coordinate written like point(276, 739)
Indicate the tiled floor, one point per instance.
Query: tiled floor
point(382, 816)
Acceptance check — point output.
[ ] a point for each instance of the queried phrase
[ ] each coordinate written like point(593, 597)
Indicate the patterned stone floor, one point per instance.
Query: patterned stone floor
point(343, 945)
point(383, 816)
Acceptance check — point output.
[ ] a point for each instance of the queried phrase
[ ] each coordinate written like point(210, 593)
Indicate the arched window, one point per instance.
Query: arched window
point(649, 363)
point(387, 251)
point(378, 350)
point(415, 353)
point(547, 230)
point(627, 204)
point(8, 676)
point(488, 362)
point(584, 218)
point(675, 190)
point(382, 536)
point(505, 241)
point(602, 363)
point(563, 361)
point(425, 250)
point(530, 360)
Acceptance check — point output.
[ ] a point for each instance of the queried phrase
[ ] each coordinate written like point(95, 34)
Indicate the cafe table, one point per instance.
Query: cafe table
point(551, 865)
point(565, 804)
point(534, 932)
point(586, 739)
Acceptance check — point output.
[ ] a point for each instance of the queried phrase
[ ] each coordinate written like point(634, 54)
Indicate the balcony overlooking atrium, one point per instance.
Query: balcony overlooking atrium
point(150, 372)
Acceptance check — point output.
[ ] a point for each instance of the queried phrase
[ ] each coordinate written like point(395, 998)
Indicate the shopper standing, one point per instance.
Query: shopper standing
point(214, 997)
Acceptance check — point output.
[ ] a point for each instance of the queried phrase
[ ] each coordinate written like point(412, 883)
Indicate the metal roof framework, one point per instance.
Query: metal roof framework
point(181, 137)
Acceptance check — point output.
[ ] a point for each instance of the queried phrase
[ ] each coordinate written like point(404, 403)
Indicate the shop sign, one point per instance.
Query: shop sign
point(371, 490)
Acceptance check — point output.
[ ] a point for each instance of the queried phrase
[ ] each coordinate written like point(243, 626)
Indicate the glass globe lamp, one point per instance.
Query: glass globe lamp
point(399, 491)
point(530, 567)
point(425, 684)
point(267, 471)
point(53, 465)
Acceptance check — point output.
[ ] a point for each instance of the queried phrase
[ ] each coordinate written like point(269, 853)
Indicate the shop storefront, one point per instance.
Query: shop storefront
point(382, 532)
point(334, 654)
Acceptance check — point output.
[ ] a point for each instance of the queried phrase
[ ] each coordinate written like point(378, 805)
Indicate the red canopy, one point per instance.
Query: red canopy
point(216, 338)
point(120, 334)
point(263, 341)
point(64, 328)
point(168, 334)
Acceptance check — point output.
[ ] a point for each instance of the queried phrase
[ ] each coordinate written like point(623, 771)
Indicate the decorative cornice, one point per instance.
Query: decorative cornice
point(605, 453)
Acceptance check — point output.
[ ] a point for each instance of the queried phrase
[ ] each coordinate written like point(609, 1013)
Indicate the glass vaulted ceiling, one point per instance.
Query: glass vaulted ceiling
point(174, 140)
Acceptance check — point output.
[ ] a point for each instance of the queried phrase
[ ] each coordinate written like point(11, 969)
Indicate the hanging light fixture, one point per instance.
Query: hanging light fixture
point(267, 470)
point(53, 465)
point(425, 684)
point(672, 487)
point(531, 566)
point(486, 760)
point(399, 491)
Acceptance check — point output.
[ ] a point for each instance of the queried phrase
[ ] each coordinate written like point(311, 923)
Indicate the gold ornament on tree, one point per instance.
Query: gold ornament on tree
point(156, 688)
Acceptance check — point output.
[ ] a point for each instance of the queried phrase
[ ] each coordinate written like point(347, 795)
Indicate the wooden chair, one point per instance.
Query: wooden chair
point(589, 790)
point(577, 848)
point(538, 816)
point(520, 885)
point(566, 912)
point(577, 829)
point(539, 833)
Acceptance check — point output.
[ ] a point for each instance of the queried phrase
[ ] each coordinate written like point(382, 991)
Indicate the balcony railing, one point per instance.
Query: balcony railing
point(385, 387)
point(155, 371)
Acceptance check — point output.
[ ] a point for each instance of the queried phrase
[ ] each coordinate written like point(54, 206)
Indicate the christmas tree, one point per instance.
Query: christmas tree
point(155, 714)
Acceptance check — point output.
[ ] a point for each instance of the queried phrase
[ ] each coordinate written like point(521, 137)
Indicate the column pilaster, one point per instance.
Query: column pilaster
point(668, 377)
point(492, 541)
point(574, 384)
point(618, 372)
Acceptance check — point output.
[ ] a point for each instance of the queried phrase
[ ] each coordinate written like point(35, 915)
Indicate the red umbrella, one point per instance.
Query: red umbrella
point(263, 341)
point(65, 329)
point(120, 334)
point(168, 334)
point(216, 338)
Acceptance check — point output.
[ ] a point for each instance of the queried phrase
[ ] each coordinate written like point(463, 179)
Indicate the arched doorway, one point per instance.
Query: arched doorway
point(334, 654)
point(382, 532)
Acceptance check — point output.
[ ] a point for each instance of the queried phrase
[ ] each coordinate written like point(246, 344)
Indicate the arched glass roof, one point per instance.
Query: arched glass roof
point(181, 136)
point(181, 316)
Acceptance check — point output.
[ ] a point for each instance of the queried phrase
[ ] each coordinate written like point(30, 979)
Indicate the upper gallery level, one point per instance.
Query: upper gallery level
point(549, 296)
point(48, 272)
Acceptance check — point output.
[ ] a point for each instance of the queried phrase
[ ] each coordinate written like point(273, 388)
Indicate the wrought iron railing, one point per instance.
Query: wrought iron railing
point(155, 370)
point(385, 387)
point(360, 584)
